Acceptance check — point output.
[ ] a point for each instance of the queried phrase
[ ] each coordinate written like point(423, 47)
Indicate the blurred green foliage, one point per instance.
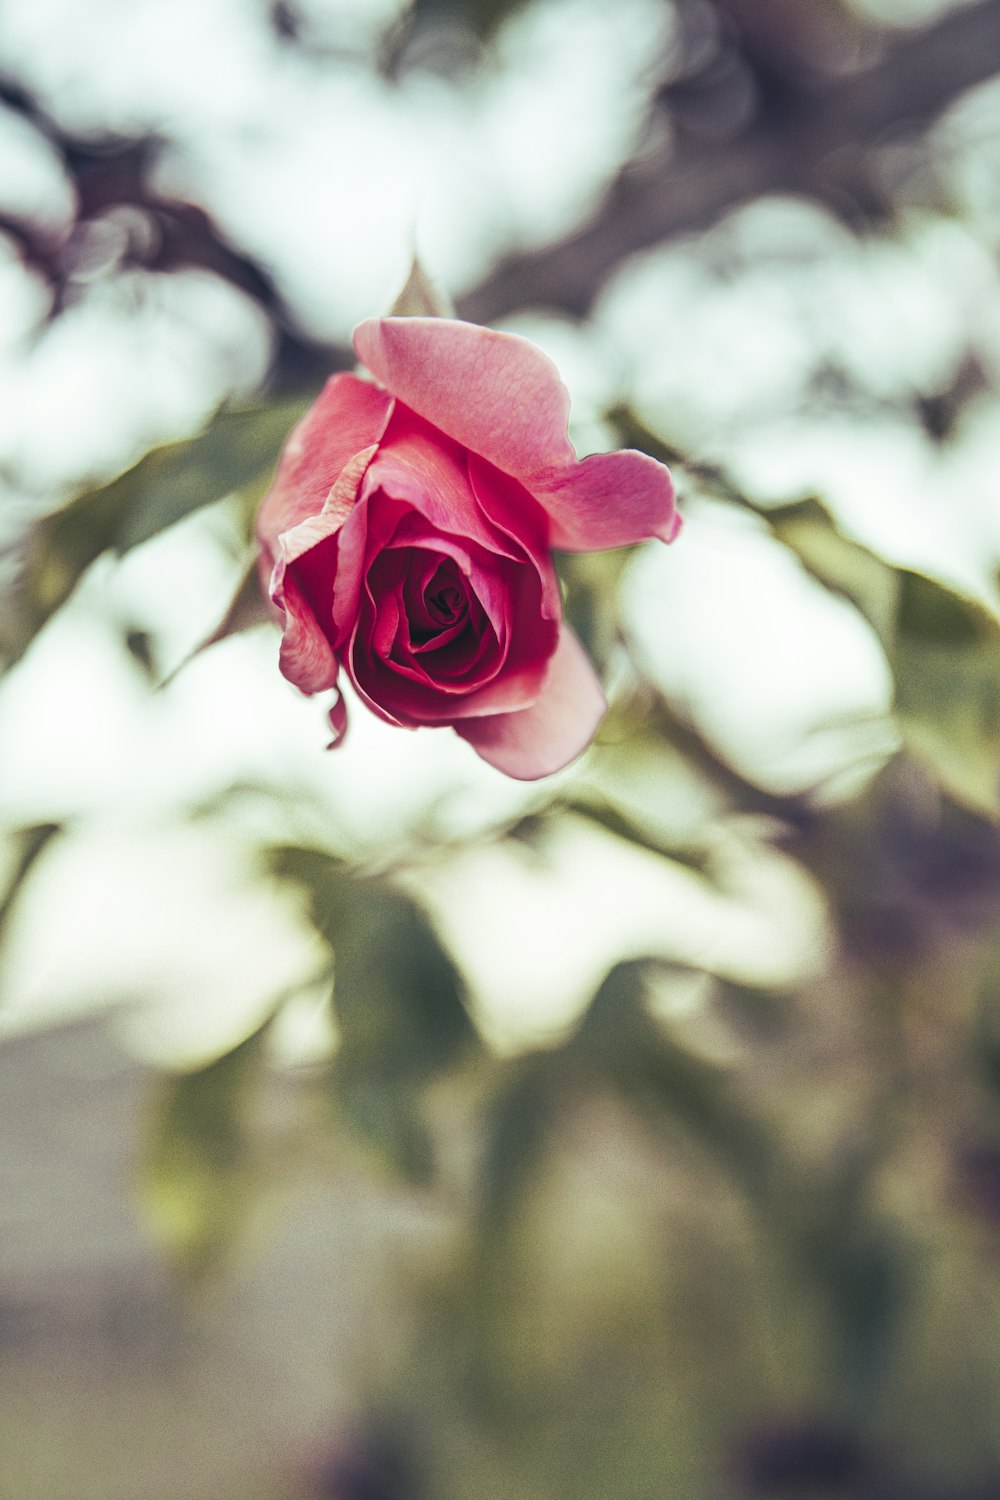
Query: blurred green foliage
point(26, 846)
point(717, 1238)
point(238, 447)
point(202, 1173)
point(942, 647)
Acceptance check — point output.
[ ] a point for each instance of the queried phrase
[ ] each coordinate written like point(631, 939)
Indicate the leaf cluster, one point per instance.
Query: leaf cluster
point(772, 1131)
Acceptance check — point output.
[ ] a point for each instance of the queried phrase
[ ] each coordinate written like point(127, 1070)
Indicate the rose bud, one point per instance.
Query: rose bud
point(407, 540)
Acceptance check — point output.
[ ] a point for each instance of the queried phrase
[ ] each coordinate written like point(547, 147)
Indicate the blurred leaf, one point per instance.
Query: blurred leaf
point(484, 16)
point(200, 1174)
point(986, 1026)
point(643, 717)
point(399, 1000)
point(947, 667)
point(321, 877)
point(30, 844)
point(139, 645)
point(943, 649)
point(613, 819)
point(819, 1221)
point(420, 298)
point(839, 563)
point(516, 1126)
point(386, 1112)
point(660, 1078)
point(591, 580)
point(163, 487)
point(632, 432)
point(759, 1015)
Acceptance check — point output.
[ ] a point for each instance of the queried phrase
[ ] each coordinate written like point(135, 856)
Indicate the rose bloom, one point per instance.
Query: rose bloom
point(407, 539)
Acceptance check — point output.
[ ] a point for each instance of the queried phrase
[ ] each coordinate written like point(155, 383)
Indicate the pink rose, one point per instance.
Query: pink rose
point(407, 540)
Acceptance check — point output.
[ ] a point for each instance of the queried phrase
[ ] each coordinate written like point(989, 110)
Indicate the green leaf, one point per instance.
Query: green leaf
point(986, 1025)
point(591, 582)
point(947, 667)
point(517, 1126)
point(838, 562)
point(200, 1173)
point(644, 718)
point(943, 649)
point(29, 844)
point(420, 298)
point(818, 1220)
point(238, 446)
point(632, 432)
point(484, 16)
point(624, 825)
point(625, 1046)
point(398, 998)
point(387, 1114)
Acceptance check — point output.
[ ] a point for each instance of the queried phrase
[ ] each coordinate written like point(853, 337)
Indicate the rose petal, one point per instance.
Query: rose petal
point(352, 543)
point(338, 721)
point(518, 517)
point(608, 500)
point(492, 392)
point(500, 397)
point(536, 741)
point(348, 415)
point(489, 575)
point(508, 669)
point(300, 585)
point(337, 506)
point(306, 657)
point(424, 468)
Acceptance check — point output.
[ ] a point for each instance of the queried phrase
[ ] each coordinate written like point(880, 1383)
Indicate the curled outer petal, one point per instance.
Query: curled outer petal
point(348, 415)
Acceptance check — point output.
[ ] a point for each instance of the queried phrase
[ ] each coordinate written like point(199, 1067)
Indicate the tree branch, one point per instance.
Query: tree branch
point(819, 146)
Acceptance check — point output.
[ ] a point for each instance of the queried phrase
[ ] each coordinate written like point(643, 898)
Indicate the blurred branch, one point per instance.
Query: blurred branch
point(810, 132)
point(818, 144)
point(162, 234)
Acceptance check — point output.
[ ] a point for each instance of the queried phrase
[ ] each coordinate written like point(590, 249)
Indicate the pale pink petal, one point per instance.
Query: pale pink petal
point(500, 397)
point(608, 500)
point(301, 585)
point(492, 392)
point(348, 415)
point(298, 540)
point(536, 741)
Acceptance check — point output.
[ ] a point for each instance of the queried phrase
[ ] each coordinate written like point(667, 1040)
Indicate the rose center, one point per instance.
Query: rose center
point(446, 604)
point(435, 600)
point(443, 603)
